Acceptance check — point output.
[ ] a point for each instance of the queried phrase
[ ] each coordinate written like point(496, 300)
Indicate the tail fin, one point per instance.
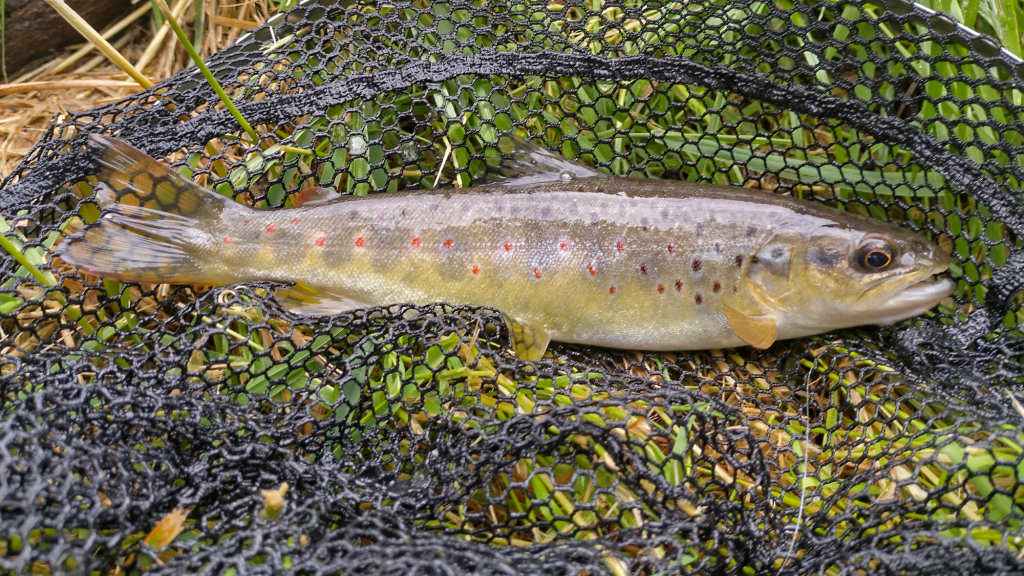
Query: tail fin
point(156, 226)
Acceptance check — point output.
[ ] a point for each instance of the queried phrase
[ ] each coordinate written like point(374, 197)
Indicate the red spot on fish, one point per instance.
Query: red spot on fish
point(696, 265)
point(564, 245)
point(359, 241)
point(508, 246)
point(611, 290)
point(415, 241)
point(227, 239)
point(294, 222)
point(661, 288)
point(679, 285)
point(619, 247)
point(476, 269)
point(671, 248)
point(643, 269)
point(320, 240)
point(592, 270)
point(716, 287)
point(448, 243)
point(698, 298)
point(271, 228)
point(536, 272)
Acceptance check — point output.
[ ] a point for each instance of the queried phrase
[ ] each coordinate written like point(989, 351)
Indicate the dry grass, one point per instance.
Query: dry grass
point(78, 78)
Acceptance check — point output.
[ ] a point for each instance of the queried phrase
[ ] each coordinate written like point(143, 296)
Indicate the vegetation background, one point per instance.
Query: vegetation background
point(79, 78)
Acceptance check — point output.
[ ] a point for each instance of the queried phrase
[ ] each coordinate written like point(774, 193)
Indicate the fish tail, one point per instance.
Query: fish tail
point(156, 225)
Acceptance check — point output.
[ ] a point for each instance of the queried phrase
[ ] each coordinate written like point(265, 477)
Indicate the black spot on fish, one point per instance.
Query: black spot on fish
point(700, 230)
point(739, 261)
point(679, 285)
point(696, 264)
point(751, 231)
point(777, 253)
point(718, 247)
point(664, 214)
point(645, 222)
point(755, 260)
point(643, 269)
point(698, 298)
point(716, 287)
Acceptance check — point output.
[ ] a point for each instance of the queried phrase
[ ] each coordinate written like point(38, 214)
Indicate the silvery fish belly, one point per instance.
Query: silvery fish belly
point(565, 253)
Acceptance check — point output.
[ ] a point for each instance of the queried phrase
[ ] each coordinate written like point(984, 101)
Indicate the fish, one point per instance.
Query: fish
point(564, 252)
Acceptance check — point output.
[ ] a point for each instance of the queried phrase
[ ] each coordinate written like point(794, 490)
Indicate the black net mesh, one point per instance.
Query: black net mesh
point(408, 439)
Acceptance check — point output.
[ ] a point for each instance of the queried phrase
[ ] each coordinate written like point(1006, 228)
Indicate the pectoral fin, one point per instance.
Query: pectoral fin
point(528, 340)
point(758, 330)
point(311, 301)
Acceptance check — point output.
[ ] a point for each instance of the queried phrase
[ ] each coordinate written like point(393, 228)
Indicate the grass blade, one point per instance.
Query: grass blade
point(158, 16)
point(197, 23)
point(21, 259)
point(205, 71)
point(1010, 18)
point(90, 33)
point(971, 12)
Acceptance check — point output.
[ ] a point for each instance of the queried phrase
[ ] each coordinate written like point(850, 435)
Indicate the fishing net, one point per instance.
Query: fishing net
point(191, 429)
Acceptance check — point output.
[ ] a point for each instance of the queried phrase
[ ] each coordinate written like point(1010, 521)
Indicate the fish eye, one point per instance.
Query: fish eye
point(874, 257)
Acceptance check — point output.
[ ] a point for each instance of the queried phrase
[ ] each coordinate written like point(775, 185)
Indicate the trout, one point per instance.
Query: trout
point(564, 252)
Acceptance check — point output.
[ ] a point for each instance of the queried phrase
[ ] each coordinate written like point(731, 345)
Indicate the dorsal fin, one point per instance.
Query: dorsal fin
point(315, 196)
point(528, 163)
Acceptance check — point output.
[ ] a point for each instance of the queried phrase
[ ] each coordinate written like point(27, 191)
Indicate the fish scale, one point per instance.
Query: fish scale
point(573, 257)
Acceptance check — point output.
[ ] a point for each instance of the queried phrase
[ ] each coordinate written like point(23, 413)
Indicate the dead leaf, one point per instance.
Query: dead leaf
point(167, 529)
point(273, 501)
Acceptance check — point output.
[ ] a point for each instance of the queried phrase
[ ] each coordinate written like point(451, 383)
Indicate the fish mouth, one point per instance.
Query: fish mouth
point(931, 289)
point(916, 298)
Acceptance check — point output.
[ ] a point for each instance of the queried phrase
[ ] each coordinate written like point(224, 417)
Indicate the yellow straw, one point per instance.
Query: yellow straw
point(90, 33)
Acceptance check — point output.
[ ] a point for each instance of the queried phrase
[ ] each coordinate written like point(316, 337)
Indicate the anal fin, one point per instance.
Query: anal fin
point(307, 300)
point(757, 330)
point(529, 340)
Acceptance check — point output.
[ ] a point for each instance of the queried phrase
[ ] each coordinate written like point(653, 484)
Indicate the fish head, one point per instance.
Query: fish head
point(840, 274)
